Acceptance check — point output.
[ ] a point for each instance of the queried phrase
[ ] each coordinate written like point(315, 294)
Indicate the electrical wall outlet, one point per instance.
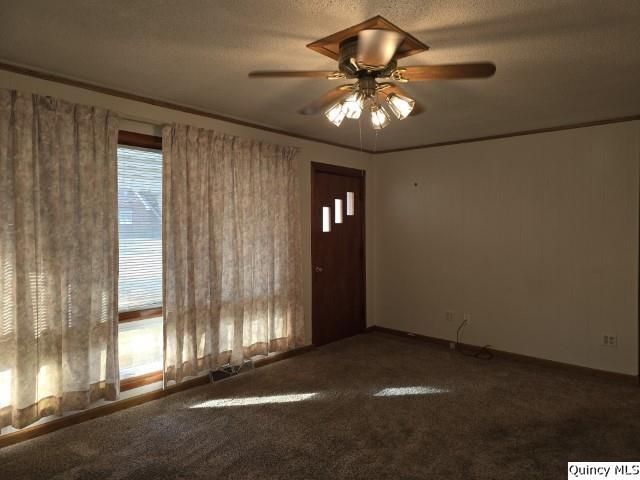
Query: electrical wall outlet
point(609, 340)
point(467, 318)
point(448, 316)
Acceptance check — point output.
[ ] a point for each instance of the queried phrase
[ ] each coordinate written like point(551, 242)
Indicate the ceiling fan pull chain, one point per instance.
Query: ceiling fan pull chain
point(360, 129)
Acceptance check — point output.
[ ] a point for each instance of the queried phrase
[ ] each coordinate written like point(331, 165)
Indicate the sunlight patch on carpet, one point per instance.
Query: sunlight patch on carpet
point(399, 391)
point(241, 402)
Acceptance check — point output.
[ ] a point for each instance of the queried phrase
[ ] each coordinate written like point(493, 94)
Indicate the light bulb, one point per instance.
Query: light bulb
point(353, 105)
point(400, 106)
point(379, 118)
point(335, 114)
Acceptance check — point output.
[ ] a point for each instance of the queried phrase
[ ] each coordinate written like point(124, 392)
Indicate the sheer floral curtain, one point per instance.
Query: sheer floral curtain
point(58, 257)
point(231, 250)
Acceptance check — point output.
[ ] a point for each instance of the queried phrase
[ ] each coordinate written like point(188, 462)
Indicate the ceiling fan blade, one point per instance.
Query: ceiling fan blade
point(377, 47)
point(293, 73)
point(390, 88)
point(444, 72)
point(320, 104)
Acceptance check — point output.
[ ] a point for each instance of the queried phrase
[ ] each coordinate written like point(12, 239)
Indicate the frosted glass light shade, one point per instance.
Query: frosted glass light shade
point(379, 118)
point(353, 106)
point(335, 114)
point(401, 106)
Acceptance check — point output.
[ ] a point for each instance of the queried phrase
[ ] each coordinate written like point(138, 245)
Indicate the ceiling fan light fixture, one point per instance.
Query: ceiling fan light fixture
point(353, 105)
point(335, 114)
point(379, 118)
point(368, 54)
point(400, 105)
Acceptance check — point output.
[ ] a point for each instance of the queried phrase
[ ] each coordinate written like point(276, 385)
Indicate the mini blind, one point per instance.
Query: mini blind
point(139, 228)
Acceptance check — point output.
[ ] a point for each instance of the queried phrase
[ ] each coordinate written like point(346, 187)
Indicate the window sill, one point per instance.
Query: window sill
point(140, 380)
point(139, 314)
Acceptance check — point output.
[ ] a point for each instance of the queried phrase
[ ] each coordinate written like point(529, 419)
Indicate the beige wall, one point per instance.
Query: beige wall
point(535, 236)
point(309, 151)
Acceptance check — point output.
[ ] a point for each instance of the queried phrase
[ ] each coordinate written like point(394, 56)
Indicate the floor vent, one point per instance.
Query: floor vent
point(229, 370)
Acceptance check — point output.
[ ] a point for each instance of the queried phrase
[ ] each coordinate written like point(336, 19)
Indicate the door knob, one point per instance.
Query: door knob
point(318, 269)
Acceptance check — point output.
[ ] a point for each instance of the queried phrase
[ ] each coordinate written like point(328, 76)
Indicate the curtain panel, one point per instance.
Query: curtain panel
point(232, 272)
point(58, 257)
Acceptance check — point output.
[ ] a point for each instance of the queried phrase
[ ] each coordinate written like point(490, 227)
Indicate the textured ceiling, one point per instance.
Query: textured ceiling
point(558, 62)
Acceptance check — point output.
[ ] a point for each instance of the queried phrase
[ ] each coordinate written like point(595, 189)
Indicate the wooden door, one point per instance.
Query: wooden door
point(337, 255)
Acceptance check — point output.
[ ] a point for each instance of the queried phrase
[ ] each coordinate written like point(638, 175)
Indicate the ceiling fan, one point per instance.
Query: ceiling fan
point(369, 53)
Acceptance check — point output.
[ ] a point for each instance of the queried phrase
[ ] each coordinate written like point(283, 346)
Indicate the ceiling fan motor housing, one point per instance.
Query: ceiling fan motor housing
point(347, 62)
point(367, 85)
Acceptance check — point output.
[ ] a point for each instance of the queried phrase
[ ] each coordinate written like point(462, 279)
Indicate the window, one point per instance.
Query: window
point(338, 210)
point(140, 347)
point(140, 265)
point(326, 219)
point(140, 228)
point(125, 216)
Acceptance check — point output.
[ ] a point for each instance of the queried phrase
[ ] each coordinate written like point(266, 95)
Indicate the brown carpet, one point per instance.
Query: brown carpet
point(494, 419)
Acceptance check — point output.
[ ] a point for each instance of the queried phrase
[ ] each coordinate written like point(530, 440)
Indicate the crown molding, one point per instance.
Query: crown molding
point(161, 103)
point(203, 113)
point(558, 128)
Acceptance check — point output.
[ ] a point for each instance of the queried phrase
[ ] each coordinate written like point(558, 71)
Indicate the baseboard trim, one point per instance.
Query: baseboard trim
point(282, 356)
point(623, 377)
point(107, 409)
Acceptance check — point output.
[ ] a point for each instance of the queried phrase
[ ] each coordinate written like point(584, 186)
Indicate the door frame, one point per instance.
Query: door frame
point(316, 168)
